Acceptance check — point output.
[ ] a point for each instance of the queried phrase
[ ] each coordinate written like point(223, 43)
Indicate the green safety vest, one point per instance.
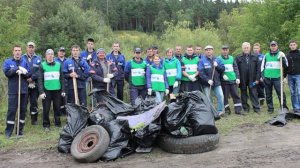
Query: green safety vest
point(228, 63)
point(171, 71)
point(272, 66)
point(51, 76)
point(157, 79)
point(191, 67)
point(138, 77)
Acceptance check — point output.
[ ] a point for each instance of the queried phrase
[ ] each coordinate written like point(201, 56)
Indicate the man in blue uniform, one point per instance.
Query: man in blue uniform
point(12, 68)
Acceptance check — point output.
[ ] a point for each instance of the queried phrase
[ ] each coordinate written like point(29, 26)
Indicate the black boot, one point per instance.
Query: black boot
point(9, 130)
point(227, 110)
point(34, 119)
point(262, 102)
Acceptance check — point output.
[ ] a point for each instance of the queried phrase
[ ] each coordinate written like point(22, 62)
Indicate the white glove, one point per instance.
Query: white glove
point(24, 71)
point(110, 75)
point(237, 81)
point(175, 84)
point(43, 96)
point(225, 77)
point(89, 57)
point(215, 64)
point(167, 91)
point(63, 94)
point(31, 85)
point(281, 54)
point(149, 91)
point(210, 82)
point(19, 72)
point(285, 80)
point(192, 78)
point(106, 80)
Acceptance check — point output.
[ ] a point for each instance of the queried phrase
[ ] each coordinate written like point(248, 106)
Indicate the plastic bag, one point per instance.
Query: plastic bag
point(142, 105)
point(101, 116)
point(119, 133)
point(146, 136)
point(279, 120)
point(76, 121)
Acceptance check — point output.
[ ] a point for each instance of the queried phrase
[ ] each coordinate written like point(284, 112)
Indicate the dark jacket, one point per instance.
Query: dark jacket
point(84, 54)
point(235, 69)
point(249, 73)
point(41, 78)
point(34, 64)
point(205, 68)
point(119, 62)
point(98, 76)
point(10, 67)
point(293, 58)
point(81, 68)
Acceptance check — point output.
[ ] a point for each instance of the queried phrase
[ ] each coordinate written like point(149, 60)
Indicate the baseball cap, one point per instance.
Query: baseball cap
point(100, 50)
point(208, 47)
point(225, 47)
point(62, 49)
point(137, 50)
point(49, 51)
point(273, 43)
point(154, 47)
point(31, 44)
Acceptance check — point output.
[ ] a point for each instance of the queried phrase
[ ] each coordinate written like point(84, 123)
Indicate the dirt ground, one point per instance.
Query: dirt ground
point(247, 146)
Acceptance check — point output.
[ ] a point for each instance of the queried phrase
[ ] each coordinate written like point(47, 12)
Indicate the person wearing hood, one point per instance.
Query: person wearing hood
point(103, 72)
point(190, 71)
point(119, 61)
point(229, 80)
point(51, 87)
point(210, 69)
point(157, 79)
point(135, 70)
point(293, 71)
point(173, 71)
point(270, 67)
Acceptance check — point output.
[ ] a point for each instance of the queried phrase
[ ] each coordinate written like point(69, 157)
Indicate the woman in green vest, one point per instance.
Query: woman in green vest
point(51, 88)
point(157, 79)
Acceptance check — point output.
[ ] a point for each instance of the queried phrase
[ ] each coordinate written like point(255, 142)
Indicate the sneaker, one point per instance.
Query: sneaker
point(227, 110)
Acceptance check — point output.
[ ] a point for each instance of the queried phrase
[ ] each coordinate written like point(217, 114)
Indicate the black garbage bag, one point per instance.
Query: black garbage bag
point(101, 115)
point(201, 119)
point(279, 120)
point(115, 105)
point(119, 133)
point(290, 116)
point(77, 120)
point(146, 136)
point(142, 105)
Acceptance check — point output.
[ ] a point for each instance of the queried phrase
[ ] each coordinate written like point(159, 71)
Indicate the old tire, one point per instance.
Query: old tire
point(90, 144)
point(188, 145)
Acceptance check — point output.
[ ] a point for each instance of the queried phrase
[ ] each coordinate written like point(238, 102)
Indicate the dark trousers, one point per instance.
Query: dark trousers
point(136, 91)
point(119, 84)
point(232, 90)
point(189, 86)
point(12, 111)
point(33, 95)
point(253, 98)
point(51, 96)
point(269, 83)
point(261, 91)
point(81, 96)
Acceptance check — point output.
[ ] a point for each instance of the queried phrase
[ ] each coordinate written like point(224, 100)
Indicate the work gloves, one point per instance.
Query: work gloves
point(237, 81)
point(192, 78)
point(285, 80)
point(281, 54)
point(106, 80)
point(175, 84)
point(167, 91)
point(225, 77)
point(21, 70)
point(149, 91)
point(215, 64)
point(89, 57)
point(110, 75)
point(210, 82)
point(31, 85)
point(43, 96)
point(63, 94)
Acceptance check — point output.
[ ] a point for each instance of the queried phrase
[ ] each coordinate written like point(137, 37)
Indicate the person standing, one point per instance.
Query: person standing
point(149, 56)
point(119, 61)
point(293, 71)
point(261, 85)
point(12, 68)
point(249, 68)
point(51, 87)
point(61, 58)
point(210, 69)
point(174, 72)
point(33, 93)
point(229, 80)
point(135, 70)
point(270, 67)
point(198, 49)
point(154, 49)
point(89, 54)
point(76, 67)
point(103, 72)
point(157, 79)
point(190, 71)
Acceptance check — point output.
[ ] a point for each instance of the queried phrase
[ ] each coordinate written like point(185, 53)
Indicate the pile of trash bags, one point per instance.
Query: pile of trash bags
point(135, 129)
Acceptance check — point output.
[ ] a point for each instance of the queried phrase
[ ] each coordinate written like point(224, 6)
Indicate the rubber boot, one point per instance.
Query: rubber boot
point(9, 130)
point(34, 119)
point(21, 128)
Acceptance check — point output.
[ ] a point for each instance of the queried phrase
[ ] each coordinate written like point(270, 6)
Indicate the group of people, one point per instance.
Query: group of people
point(54, 79)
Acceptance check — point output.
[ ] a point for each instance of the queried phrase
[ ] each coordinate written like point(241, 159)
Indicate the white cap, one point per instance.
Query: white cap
point(208, 47)
point(31, 44)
